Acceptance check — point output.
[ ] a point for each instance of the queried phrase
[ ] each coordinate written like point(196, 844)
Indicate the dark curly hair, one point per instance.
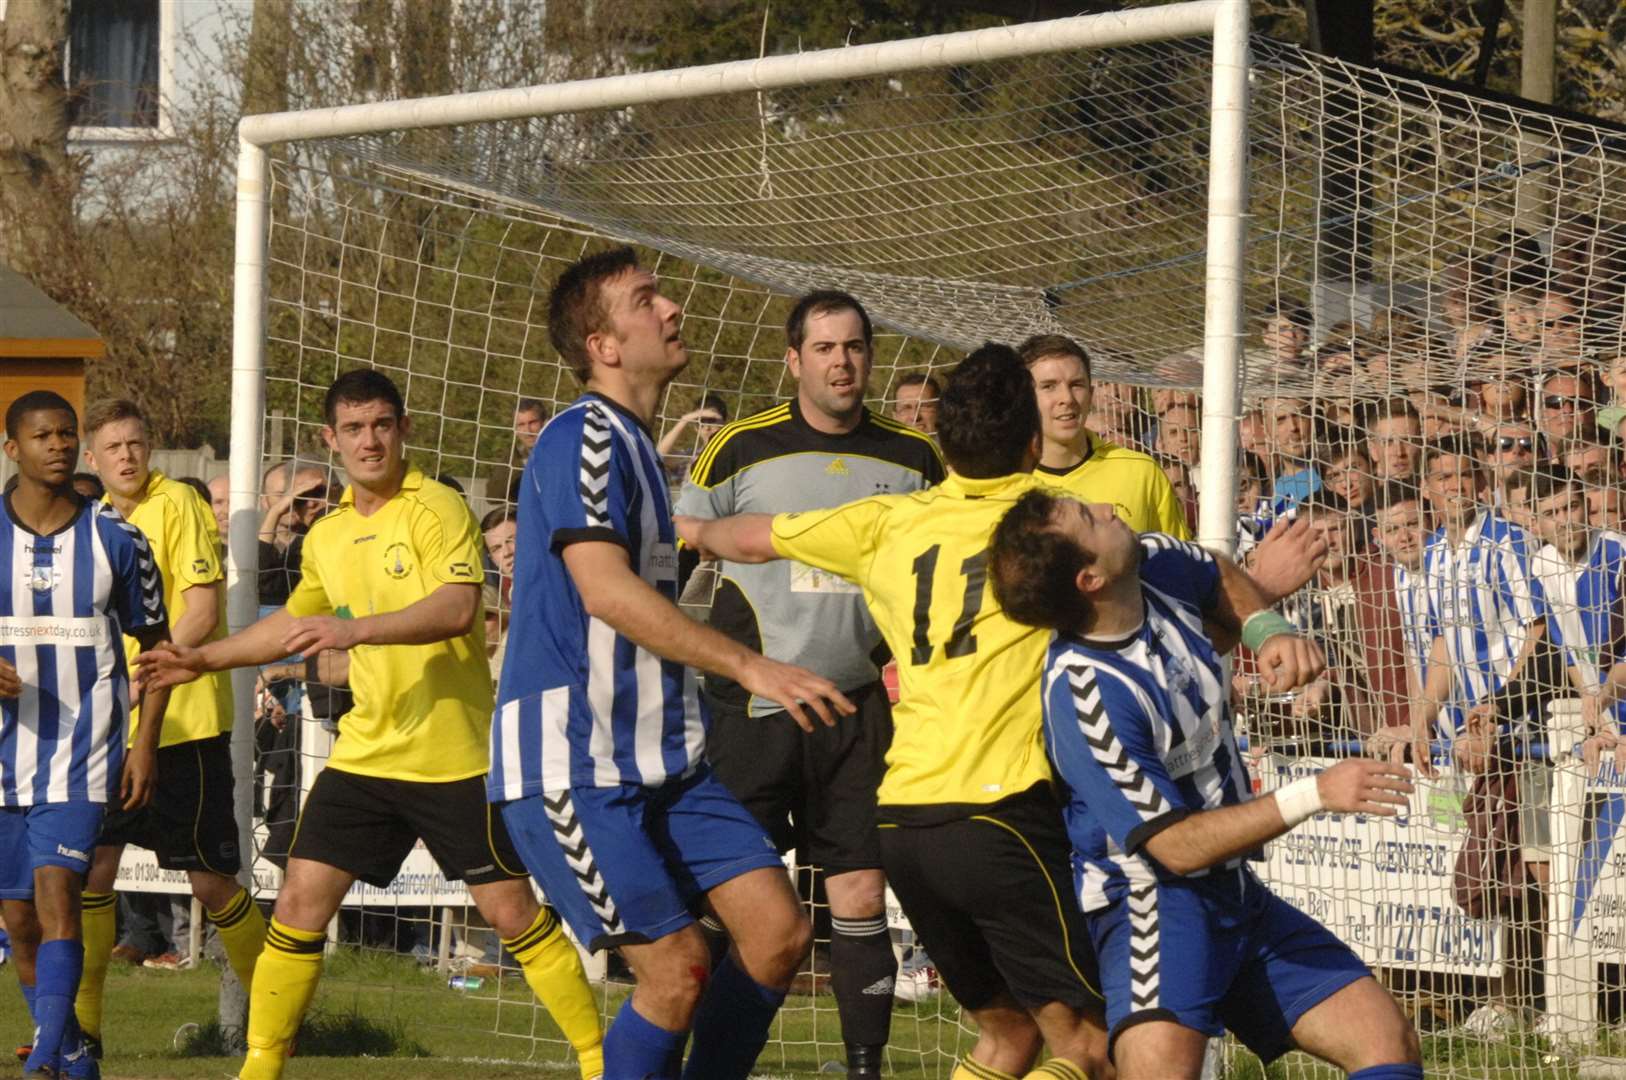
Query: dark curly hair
point(989, 416)
point(1034, 566)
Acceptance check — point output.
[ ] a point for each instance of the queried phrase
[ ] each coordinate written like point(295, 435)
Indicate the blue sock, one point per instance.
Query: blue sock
point(56, 981)
point(731, 1026)
point(28, 996)
point(635, 1049)
point(1388, 1072)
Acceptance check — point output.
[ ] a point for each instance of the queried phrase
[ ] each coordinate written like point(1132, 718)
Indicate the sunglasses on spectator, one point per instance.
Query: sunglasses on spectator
point(1504, 443)
point(1559, 401)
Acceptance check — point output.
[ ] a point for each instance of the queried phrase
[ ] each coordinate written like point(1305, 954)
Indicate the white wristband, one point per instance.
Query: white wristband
point(1299, 801)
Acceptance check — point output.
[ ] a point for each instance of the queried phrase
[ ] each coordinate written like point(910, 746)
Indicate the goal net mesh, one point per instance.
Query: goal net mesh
point(1409, 248)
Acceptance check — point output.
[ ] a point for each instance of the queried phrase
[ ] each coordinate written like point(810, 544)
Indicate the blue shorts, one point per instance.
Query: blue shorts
point(1217, 953)
point(626, 865)
point(50, 834)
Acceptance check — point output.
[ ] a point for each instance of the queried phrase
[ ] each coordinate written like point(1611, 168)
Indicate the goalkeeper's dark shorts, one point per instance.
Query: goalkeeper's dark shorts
point(990, 896)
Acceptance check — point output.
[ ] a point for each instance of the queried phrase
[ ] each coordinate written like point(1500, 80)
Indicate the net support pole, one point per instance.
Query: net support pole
point(247, 415)
point(1222, 305)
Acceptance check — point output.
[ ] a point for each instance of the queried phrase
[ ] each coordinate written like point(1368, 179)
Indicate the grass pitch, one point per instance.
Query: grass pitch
point(382, 1017)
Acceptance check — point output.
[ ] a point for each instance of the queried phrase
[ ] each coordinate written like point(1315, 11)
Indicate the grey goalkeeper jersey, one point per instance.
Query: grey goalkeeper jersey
point(775, 462)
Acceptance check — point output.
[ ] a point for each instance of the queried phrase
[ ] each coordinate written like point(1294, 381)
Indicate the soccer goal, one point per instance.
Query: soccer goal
point(1271, 256)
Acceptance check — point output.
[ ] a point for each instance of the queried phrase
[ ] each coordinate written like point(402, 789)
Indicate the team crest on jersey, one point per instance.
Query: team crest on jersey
point(397, 561)
point(42, 579)
point(1179, 674)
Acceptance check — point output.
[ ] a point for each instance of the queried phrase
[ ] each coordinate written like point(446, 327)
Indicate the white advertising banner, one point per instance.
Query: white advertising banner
point(1383, 885)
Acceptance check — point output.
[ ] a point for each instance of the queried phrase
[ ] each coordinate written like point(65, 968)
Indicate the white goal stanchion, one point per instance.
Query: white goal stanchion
point(428, 244)
point(1420, 266)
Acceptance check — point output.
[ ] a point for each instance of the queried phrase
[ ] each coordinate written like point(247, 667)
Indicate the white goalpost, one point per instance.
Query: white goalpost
point(1224, 23)
point(1291, 274)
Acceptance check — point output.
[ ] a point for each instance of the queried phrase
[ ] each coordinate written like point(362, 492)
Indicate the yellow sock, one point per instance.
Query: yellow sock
point(242, 932)
point(99, 925)
point(1057, 1069)
point(284, 983)
point(554, 971)
point(976, 1070)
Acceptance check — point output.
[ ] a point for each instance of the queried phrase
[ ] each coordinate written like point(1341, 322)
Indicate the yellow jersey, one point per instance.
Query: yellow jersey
point(968, 723)
point(422, 712)
point(180, 528)
point(1130, 480)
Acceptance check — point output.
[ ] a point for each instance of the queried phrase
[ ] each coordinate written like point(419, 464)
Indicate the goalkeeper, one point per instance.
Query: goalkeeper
point(1137, 725)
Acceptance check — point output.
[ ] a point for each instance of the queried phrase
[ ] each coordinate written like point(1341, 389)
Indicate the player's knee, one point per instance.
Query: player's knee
point(795, 946)
point(860, 894)
point(674, 979)
point(1395, 1043)
point(508, 906)
point(1387, 1038)
point(214, 891)
point(1007, 1038)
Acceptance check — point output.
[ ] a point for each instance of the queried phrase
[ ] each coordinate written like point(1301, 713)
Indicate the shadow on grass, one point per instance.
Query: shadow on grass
point(333, 1035)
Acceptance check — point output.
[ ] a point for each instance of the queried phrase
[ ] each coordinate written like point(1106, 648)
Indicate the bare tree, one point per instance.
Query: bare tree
point(38, 178)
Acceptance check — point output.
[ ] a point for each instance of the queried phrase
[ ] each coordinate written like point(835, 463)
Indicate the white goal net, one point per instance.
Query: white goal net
point(1419, 265)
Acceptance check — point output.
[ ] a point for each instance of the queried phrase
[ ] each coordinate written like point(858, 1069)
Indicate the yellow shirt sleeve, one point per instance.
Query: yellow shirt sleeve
point(841, 540)
point(447, 540)
point(193, 541)
point(309, 596)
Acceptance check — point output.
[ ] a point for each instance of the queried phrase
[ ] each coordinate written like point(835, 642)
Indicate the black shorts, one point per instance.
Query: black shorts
point(190, 824)
point(812, 792)
point(366, 826)
point(991, 898)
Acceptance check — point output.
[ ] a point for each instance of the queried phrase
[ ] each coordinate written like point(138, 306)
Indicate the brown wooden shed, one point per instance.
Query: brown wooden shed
point(42, 345)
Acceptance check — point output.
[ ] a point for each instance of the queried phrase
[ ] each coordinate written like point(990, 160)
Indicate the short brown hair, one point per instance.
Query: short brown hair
point(576, 308)
point(101, 413)
point(1039, 346)
point(823, 302)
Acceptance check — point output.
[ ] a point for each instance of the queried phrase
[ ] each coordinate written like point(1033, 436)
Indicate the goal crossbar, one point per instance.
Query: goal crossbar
point(1225, 22)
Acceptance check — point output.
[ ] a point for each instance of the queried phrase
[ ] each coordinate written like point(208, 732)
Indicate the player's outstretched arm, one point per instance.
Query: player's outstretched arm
point(170, 664)
point(610, 591)
point(141, 762)
point(11, 684)
point(1356, 785)
point(742, 538)
point(447, 612)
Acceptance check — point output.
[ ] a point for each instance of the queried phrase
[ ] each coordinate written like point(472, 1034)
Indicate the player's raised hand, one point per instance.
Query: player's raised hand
point(1287, 558)
point(10, 683)
point(797, 689)
point(167, 664)
point(1287, 662)
point(139, 777)
point(313, 633)
point(1364, 786)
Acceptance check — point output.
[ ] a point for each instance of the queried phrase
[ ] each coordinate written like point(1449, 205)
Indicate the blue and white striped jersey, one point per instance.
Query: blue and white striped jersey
point(1139, 728)
point(578, 704)
point(1416, 627)
point(66, 602)
point(1585, 613)
point(1483, 596)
